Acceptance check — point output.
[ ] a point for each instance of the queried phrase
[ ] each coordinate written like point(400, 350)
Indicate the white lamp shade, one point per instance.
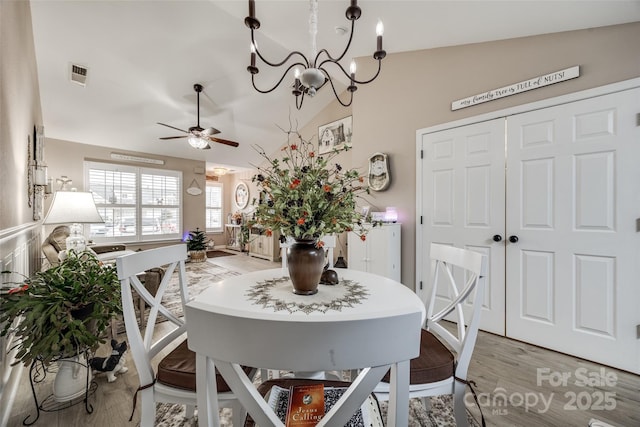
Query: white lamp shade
point(73, 207)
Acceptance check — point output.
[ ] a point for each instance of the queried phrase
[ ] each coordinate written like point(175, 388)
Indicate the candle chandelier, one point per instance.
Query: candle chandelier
point(310, 73)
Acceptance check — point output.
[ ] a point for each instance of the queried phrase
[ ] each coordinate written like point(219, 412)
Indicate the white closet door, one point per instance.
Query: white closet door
point(573, 196)
point(463, 204)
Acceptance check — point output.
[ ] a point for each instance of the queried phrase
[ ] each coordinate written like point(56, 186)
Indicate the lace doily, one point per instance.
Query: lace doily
point(277, 294)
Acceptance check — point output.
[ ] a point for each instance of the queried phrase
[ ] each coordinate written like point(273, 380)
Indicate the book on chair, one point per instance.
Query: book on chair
point(306, 405)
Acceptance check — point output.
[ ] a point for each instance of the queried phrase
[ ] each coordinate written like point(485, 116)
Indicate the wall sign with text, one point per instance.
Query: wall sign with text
point(534, 83)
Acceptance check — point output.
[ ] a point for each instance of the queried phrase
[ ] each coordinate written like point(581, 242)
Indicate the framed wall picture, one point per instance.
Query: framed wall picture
point(241, 195)
point(335, 135)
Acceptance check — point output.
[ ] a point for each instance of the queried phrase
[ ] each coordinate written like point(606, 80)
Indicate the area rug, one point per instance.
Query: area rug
point(200, 275)
point(441, 414)
point(216, 254)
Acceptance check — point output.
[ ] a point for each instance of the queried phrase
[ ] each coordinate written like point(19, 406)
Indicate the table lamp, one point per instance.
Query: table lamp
point(76, 207)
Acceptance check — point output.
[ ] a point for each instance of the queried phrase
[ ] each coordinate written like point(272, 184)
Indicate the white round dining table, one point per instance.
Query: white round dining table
point(367, 323)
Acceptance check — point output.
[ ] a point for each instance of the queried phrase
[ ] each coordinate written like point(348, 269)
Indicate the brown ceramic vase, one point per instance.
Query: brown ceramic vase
point(305, 263)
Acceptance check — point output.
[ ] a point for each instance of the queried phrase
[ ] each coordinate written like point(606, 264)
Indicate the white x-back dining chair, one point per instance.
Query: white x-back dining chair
point(174, 380)
point(439, 370)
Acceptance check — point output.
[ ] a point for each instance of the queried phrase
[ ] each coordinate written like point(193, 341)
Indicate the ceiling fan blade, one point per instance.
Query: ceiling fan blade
point(173, 137)
point(209, 131)
point(172, 127)
point(224, 141)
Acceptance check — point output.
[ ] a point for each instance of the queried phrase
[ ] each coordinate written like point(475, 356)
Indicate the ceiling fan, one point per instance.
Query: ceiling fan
point(199, 137)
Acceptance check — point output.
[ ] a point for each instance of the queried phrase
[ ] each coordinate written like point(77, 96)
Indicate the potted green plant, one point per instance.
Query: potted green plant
point(61, 312)
point(244, 236)
point(197, 245)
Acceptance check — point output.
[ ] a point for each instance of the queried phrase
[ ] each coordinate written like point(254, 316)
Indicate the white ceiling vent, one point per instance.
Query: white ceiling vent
point(78, 74)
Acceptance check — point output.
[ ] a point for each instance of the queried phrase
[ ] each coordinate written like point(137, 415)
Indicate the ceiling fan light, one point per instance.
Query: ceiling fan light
point(197, 142)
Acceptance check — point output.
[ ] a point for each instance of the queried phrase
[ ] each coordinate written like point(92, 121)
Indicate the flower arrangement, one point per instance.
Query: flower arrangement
point(308, 195)
point(237, 217)
point(63, 309)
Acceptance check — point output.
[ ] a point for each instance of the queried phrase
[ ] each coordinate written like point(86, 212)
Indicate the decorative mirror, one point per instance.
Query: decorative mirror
point(241, 195)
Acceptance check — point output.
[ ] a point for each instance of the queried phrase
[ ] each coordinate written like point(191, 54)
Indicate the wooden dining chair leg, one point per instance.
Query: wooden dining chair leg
point(459, 408)
point(147, 408)
point(189, 411)
point(426, 402)
point(238, 414)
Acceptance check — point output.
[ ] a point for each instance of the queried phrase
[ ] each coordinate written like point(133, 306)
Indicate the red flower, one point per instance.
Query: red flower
point(320, 244)
point(361, 178)
point(348, 229)
point(294, 184)
point(363, 237)
point(268, 232)
point(301, 221)
point(19, 289)
point(294, 147)
point(312, 154)
point(326, 188)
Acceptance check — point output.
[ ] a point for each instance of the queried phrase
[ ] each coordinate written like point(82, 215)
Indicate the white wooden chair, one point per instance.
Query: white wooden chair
point(438, 370)
point(174, 380)
point(329, 244)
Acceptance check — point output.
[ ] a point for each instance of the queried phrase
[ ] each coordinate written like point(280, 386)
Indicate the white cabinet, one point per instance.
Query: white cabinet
point(263, 246)
point(379, 253)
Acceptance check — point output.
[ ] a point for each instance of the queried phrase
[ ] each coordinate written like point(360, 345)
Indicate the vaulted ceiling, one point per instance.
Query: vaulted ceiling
point(143, 58)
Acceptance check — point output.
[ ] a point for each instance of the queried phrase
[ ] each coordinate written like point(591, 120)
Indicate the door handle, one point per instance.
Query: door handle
point(497, 238)
point(513, 239)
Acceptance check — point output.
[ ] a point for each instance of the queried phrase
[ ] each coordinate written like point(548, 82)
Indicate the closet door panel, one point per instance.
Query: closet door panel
point(463, 205)
point(573, 182)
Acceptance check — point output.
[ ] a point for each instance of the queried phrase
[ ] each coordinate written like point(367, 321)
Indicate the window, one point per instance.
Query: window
point(136, 203)
point(214, 207)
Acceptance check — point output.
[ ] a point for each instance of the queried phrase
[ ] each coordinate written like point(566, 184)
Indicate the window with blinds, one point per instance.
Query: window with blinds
point(214, 207)
point(136, 203)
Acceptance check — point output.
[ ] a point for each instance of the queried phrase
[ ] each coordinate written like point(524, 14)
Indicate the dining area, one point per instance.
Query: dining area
point(366, 323)
point(239, 335)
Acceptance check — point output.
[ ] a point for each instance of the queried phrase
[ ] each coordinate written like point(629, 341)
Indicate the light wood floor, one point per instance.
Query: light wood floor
point(506, 373)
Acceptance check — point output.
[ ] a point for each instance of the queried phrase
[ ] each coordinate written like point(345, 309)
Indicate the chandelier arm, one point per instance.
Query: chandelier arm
point(279, 81)
point(278, 64)
point(337, 96)
point(337, 64)
point(364, 82)
point(346, 49)
point(298, 107)
point(347, 75)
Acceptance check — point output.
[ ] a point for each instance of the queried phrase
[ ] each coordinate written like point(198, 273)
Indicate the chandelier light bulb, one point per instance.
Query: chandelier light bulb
point(352, 67)
point(252, 68)
point(379, 28)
